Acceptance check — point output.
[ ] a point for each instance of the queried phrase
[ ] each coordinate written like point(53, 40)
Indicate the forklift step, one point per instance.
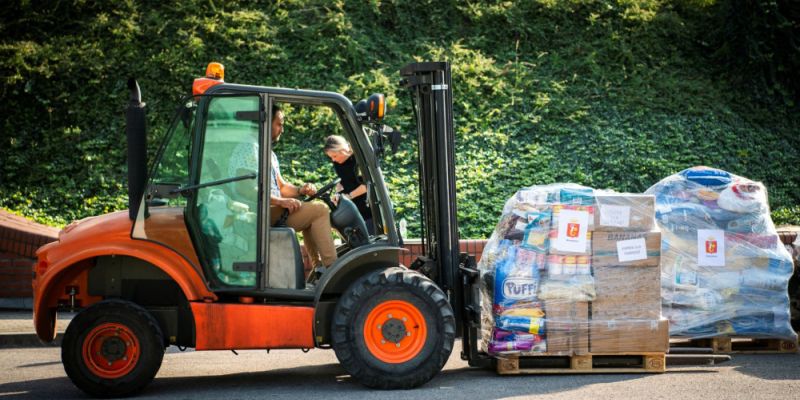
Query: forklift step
point(735, 345)
point(596, 363)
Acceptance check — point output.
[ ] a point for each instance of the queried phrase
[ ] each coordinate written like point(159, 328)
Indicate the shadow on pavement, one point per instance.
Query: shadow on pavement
point(41, 364)
point(332, 382)
point(767, 366)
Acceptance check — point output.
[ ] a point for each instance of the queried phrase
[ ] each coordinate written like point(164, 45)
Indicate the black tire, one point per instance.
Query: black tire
point(113, 328)
point(794, 300)
point(375, 290)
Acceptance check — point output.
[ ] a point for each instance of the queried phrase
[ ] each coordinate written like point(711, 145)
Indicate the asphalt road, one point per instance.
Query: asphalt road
point(37, 373)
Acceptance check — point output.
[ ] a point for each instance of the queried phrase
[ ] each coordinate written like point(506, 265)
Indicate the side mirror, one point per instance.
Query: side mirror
point(393, 136)
point(381, 136)
point(371, 111)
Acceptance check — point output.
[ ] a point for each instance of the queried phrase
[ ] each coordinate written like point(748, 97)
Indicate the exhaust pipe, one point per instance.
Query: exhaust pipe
point(137, 148)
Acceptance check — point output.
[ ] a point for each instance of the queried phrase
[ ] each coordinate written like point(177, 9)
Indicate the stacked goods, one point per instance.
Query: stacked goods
point(626, 315)
point(560, 252)
point(724, 271)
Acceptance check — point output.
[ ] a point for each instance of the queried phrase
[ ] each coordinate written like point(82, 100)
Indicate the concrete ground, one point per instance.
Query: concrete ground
point(38, 373)
point(30, 370)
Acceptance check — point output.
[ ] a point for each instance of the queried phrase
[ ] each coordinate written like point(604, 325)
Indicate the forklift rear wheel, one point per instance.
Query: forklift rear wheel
point(393, 329)
point(112, 349)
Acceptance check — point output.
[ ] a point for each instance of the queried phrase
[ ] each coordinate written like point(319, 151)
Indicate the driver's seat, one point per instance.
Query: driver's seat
point(285, 266)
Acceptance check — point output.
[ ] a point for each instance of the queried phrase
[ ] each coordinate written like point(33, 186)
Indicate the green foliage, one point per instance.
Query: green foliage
point(610, 94)
point(756, 41)
point(787, 216)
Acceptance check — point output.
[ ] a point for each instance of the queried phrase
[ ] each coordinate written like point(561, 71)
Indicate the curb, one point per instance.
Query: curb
point(22, 340)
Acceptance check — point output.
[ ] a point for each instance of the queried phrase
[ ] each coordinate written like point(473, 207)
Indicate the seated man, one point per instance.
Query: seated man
point(311, 218)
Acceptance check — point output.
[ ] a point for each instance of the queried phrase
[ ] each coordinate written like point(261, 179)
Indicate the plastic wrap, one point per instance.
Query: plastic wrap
point(724, 270)
point(572, 270)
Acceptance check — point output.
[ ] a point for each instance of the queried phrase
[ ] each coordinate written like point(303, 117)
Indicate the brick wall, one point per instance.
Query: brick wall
point(15, 275)
point(789, 238)
point(414, 247)
point(19, 239)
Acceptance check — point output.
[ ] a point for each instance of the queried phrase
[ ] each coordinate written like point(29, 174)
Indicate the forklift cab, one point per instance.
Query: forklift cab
point(213, 174)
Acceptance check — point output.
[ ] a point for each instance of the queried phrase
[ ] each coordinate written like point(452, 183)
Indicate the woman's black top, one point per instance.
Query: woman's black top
point(348, 173)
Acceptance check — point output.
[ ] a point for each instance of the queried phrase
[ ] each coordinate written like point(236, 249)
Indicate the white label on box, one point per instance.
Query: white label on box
point(572, 228)
point(632, 250)
point(710, 248)
point(619, 216)
point(521, 225)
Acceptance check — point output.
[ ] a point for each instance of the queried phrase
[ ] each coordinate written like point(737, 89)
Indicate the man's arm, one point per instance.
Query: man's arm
point(289, 194)
point(288, 203)
point(289, 190)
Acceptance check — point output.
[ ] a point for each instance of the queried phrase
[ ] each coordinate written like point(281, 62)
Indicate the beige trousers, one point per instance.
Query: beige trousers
point(313, 220)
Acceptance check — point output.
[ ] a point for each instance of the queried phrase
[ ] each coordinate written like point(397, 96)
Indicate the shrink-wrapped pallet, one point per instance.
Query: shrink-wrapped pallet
point(724, 271)
point(538, 285)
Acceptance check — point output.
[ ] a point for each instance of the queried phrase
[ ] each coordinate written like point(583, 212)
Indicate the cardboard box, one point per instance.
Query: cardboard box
point(624, 212)
point(606, 248)
point(567, 327)
point(627, 293)
point(616, 336)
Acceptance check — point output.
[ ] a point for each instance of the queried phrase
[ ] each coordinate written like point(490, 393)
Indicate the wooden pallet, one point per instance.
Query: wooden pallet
point(596, 363)
point(738, 345)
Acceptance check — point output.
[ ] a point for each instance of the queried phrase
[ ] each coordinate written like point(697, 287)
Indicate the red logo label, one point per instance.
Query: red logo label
point(572, 230)
point(711, 246)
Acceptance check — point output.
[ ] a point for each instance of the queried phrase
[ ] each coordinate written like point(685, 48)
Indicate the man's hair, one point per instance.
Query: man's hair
point(275, 109)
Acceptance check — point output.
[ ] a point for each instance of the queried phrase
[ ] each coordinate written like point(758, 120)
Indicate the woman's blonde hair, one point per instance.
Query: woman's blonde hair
point(336, 143)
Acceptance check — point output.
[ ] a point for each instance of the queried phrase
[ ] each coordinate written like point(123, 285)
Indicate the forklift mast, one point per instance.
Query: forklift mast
point(432, 101)
point(455, 272)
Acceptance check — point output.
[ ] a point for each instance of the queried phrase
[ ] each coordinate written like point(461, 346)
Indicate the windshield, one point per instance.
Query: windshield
point(172, 163)
point(162, 218)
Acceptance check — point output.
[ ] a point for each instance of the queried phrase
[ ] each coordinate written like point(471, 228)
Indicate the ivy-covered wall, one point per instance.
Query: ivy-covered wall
point(611, 94)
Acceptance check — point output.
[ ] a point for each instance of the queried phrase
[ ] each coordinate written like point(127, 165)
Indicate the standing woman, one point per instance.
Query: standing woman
point(351, 186)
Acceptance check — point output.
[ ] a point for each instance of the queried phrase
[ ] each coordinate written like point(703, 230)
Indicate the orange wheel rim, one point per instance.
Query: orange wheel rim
point(111, 350)
point(395, 331)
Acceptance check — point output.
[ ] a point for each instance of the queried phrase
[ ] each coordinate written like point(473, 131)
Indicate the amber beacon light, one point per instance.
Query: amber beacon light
point(215, 74)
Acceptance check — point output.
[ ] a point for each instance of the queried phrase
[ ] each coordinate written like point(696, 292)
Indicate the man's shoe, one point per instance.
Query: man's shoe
point(315, 274)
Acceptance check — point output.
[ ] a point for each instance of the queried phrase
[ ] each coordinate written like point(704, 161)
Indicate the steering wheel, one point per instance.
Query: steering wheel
point(322, 194)
point(323, 191)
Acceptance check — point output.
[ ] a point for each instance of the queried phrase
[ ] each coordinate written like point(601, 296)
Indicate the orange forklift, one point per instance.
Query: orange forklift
point(194, 262)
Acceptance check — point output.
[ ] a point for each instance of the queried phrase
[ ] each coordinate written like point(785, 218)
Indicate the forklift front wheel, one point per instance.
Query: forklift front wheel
point(112, 349)
point(393, 329)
